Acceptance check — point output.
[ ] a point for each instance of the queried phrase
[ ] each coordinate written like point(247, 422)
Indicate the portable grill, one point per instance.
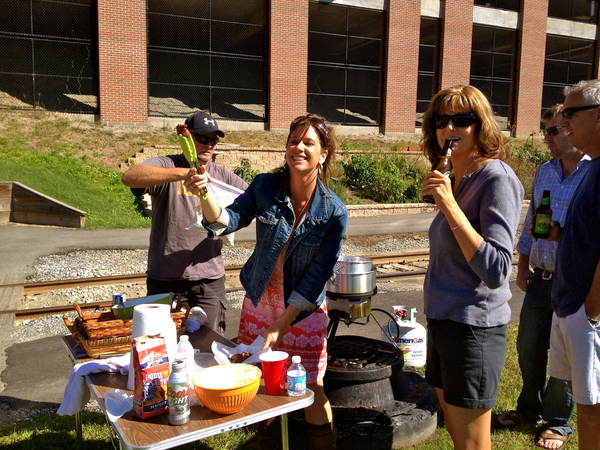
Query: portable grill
point(372, 398)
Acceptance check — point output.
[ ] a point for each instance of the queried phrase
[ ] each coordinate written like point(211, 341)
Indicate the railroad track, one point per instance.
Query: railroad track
point(389, 266)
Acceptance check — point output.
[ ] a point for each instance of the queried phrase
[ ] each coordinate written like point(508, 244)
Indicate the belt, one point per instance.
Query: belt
point(543, 273)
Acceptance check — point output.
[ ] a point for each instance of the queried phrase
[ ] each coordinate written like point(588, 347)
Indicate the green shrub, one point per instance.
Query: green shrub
point(525, 160)
point(244, 171)
point(359, 172)
point(385, 179)
point(339, 189)
point(386, 187)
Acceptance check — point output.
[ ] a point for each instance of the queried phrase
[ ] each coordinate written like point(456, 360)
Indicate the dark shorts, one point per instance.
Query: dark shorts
point(465, 362)
point(208, 294)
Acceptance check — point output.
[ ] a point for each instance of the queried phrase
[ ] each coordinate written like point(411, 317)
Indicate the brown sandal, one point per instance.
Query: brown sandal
point(549, 434)
point(509, 419)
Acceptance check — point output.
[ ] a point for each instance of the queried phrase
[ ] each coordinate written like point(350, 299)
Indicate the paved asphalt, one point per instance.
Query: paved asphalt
point(35, 373)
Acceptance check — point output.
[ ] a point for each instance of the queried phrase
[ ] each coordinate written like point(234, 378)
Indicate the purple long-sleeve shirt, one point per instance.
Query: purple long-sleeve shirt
point(476, 292)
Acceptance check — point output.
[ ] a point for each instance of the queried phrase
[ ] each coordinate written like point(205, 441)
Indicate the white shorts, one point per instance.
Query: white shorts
point(575, 355)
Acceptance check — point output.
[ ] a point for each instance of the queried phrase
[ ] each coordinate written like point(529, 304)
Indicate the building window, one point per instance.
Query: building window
point(207, 55)
point(345, 57)
point(510, 5)
point(429, 54)
point(577, 10)
point(568, 60)
point(492, 68)
point(49, 58)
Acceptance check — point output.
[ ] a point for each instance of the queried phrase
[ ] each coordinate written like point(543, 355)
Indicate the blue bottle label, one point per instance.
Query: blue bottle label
point(296, 383)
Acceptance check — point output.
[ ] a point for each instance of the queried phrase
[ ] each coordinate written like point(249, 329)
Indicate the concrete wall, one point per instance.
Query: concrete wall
point(261, 159)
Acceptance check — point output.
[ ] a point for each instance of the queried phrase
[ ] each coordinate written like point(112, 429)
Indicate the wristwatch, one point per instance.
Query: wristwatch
point(594, 322)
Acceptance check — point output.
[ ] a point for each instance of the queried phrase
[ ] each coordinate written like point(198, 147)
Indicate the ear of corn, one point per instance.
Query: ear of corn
point(189, 151)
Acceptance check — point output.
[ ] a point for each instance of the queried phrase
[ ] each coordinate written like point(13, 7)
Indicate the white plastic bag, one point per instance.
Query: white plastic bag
point(224, 195)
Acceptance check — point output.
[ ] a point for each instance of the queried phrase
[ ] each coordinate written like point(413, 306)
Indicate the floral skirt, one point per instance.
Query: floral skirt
point(307, 338)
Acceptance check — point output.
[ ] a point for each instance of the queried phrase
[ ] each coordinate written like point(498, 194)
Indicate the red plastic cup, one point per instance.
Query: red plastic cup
point(273, 369)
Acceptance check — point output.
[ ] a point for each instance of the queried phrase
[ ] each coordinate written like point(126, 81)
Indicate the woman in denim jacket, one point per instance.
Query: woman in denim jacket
point(300, 224)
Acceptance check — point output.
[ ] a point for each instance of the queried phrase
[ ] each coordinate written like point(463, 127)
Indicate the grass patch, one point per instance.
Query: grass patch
point(76, 182)
point(508, 391)
point(53, 432)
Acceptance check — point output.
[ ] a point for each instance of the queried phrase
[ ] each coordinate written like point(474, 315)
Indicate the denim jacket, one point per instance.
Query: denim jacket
point(312, 252)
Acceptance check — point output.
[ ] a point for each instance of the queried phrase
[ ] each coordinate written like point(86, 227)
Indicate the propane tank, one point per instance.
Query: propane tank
point(409, 335)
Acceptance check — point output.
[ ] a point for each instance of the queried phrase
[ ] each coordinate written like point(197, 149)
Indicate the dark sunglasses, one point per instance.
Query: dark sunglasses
point(314, 121)
point(567, 113)
point(552, 131)
point(458, 120)
point(205, 140)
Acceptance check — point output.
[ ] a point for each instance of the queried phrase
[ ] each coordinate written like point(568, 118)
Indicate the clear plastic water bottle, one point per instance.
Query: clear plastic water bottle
point(185, 351)
point(296, 378)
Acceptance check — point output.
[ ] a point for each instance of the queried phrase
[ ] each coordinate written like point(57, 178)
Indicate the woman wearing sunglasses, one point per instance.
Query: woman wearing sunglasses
point(300, 223)
point(466, 288)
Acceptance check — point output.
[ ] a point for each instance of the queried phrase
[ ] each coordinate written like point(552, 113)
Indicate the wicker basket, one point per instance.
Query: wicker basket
point(101, 334)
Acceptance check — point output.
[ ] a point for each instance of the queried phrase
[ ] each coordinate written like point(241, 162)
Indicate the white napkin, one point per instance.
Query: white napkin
point(223, 352)
point(117, 403)
point(77, 394)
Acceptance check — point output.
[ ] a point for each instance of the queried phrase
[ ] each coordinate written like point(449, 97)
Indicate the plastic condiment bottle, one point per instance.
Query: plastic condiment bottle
point(296, 378)
point(185, 351)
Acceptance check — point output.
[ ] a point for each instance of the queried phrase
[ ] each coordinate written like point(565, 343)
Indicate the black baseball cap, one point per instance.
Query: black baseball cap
point(203, 124)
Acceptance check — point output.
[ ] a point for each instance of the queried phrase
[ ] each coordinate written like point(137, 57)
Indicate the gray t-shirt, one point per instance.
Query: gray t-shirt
point(174, 252)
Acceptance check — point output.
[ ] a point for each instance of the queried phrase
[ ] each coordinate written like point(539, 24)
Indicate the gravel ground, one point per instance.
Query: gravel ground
point(99, 263)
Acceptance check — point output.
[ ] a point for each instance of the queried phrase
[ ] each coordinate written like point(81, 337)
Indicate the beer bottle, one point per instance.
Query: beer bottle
point(543, 216)
point(178, 394)
point(442, 164)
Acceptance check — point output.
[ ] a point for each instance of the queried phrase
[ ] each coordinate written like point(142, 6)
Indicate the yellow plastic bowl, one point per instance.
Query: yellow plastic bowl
point(227, 388)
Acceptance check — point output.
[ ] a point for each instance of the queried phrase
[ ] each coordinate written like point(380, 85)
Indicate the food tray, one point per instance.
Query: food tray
point(101, 334)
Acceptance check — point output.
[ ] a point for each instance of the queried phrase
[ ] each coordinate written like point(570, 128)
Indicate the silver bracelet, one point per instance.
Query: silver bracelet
point(461, 225)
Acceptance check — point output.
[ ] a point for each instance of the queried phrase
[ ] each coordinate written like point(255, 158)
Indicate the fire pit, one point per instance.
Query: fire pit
point(364, 378)
point(376, 404)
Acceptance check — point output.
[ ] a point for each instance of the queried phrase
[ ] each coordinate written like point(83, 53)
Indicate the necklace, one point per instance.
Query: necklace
point(467, 169)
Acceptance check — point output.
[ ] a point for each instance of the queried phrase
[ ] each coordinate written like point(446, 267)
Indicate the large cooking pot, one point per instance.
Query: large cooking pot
point(352, 283)
point(353, 264)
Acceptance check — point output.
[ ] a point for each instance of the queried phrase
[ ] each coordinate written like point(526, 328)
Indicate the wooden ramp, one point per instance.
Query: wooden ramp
point(21, 204)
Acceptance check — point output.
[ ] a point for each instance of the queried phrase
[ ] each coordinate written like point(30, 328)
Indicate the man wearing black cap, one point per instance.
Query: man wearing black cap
point(182, 261)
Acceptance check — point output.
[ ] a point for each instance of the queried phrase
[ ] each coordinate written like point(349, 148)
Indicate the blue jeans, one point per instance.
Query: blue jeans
point(550, 401)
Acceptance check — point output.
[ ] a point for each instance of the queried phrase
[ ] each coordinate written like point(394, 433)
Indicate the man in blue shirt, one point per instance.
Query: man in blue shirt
point(575, 333)
point(550, 401)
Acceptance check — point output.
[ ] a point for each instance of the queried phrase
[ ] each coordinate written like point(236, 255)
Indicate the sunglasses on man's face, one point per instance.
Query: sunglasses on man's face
point(458, 120)
point(204, 140)
point(567, 113)
point(552, 131)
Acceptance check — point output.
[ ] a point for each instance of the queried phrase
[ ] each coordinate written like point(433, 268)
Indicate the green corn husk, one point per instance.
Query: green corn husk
point(189, 151)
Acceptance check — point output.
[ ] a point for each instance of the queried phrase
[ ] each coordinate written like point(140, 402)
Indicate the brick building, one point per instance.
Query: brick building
point(369, 65)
